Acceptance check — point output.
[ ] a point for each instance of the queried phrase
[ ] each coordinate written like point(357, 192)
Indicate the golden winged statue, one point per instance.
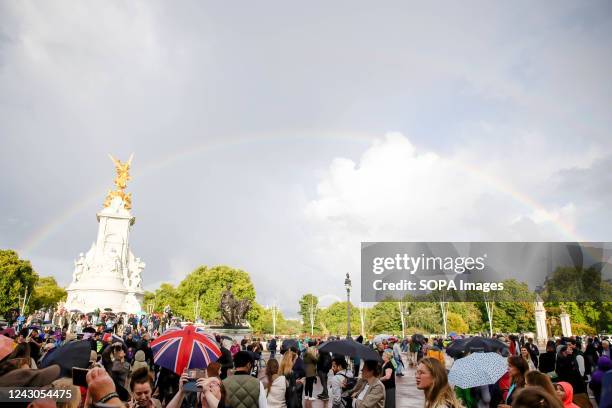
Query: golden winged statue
point(123, 176)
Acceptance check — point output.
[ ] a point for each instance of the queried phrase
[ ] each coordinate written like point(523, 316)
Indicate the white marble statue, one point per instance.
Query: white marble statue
point(79, 266)
point(109, 275)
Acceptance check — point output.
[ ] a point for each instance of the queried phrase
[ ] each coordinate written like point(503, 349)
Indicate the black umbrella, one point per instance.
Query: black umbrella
point(287, 344)
point(418, 338)
point(89, 329)
point(351, 348)
point(108, 309)
point(460, 347)
point(72, 354)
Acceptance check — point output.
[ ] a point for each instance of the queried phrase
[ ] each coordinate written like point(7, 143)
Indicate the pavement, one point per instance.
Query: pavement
point(407, 395)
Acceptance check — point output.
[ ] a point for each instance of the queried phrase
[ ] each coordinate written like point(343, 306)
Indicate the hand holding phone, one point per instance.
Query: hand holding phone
point(79, 376)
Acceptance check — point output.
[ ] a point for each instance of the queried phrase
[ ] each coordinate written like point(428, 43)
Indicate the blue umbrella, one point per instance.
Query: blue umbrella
point(71, 354)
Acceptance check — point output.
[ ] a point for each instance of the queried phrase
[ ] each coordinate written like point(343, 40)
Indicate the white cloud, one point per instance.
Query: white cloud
point(398, 193)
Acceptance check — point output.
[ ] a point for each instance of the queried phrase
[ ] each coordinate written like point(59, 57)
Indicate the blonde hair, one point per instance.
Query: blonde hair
point(66, 384)
point(286, 365)
point(388, 354)
point(440, 393)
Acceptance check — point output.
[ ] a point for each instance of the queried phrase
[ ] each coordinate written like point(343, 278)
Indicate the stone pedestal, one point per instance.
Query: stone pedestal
point(540, 318)
point(108, 275)
point(566, 327)
point(235, 333)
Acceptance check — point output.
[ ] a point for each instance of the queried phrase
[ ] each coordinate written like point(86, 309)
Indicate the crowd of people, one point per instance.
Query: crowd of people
point(122, 371)
point(564, 373)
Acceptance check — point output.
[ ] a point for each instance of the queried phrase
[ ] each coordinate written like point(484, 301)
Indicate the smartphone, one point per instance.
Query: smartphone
point(79, 376)
point(195, 373)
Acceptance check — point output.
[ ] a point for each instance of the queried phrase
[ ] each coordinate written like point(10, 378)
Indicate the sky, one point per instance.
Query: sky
point(275, 137)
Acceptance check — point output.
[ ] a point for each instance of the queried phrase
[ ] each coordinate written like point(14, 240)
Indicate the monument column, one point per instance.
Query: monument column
point(109, 275)
point(566, 327)
point(540, 317)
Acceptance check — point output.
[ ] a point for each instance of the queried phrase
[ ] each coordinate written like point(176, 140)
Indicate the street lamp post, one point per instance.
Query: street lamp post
point(347, 285)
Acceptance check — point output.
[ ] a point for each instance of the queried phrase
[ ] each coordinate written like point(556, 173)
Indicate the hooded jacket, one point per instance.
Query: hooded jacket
point(139, 361)
point(604, 364)
point(569, 395)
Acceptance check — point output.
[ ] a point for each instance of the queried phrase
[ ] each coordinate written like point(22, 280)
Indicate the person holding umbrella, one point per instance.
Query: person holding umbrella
point(323, 366)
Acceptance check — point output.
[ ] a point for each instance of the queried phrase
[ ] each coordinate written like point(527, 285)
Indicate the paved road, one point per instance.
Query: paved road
point(407, 395)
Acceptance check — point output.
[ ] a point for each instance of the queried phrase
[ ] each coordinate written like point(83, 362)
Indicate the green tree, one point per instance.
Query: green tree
point(470, 314)
point(426, 317)
point(16, 275)
point(292, 327)
point(309, 311)
point(166, 294)
point(580, 284)
point(333, 319)
point(46, 293)
point(264, 323)
point(456, 323)
point(384, 317)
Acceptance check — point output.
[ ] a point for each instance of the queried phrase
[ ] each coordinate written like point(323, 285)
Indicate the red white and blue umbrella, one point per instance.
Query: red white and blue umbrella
point(189, 347)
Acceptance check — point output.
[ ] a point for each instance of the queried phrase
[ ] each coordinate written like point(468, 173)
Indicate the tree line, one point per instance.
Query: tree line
point(198, 296)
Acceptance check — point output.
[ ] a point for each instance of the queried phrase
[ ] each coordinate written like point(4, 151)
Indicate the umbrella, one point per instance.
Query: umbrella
point(89, 329)
point(9, 331)
point(224, 337)
point(477, 369)
point(190, 347)
point(75, 311)
point(381, 337)
point(288, 343)
point(71, 354)
point(349, 348)
point(460, 347)
point(115, 338)
point(108, 309)
point(418, 338)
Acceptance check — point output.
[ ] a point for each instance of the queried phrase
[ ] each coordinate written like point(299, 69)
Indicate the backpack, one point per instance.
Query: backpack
point(347, 387)
point(293, 392)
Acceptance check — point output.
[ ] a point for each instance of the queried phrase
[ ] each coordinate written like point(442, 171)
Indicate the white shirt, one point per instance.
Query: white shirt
point(363, 392)
point(262, 401)
point(276, 396)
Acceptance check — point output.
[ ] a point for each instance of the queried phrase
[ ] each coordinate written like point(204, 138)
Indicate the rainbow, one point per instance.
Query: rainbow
point(32, 242)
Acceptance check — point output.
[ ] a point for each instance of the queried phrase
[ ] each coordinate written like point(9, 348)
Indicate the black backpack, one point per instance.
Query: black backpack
point(349, 384)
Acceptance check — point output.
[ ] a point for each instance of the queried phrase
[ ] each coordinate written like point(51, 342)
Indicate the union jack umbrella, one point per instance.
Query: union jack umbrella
point(189, 347)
